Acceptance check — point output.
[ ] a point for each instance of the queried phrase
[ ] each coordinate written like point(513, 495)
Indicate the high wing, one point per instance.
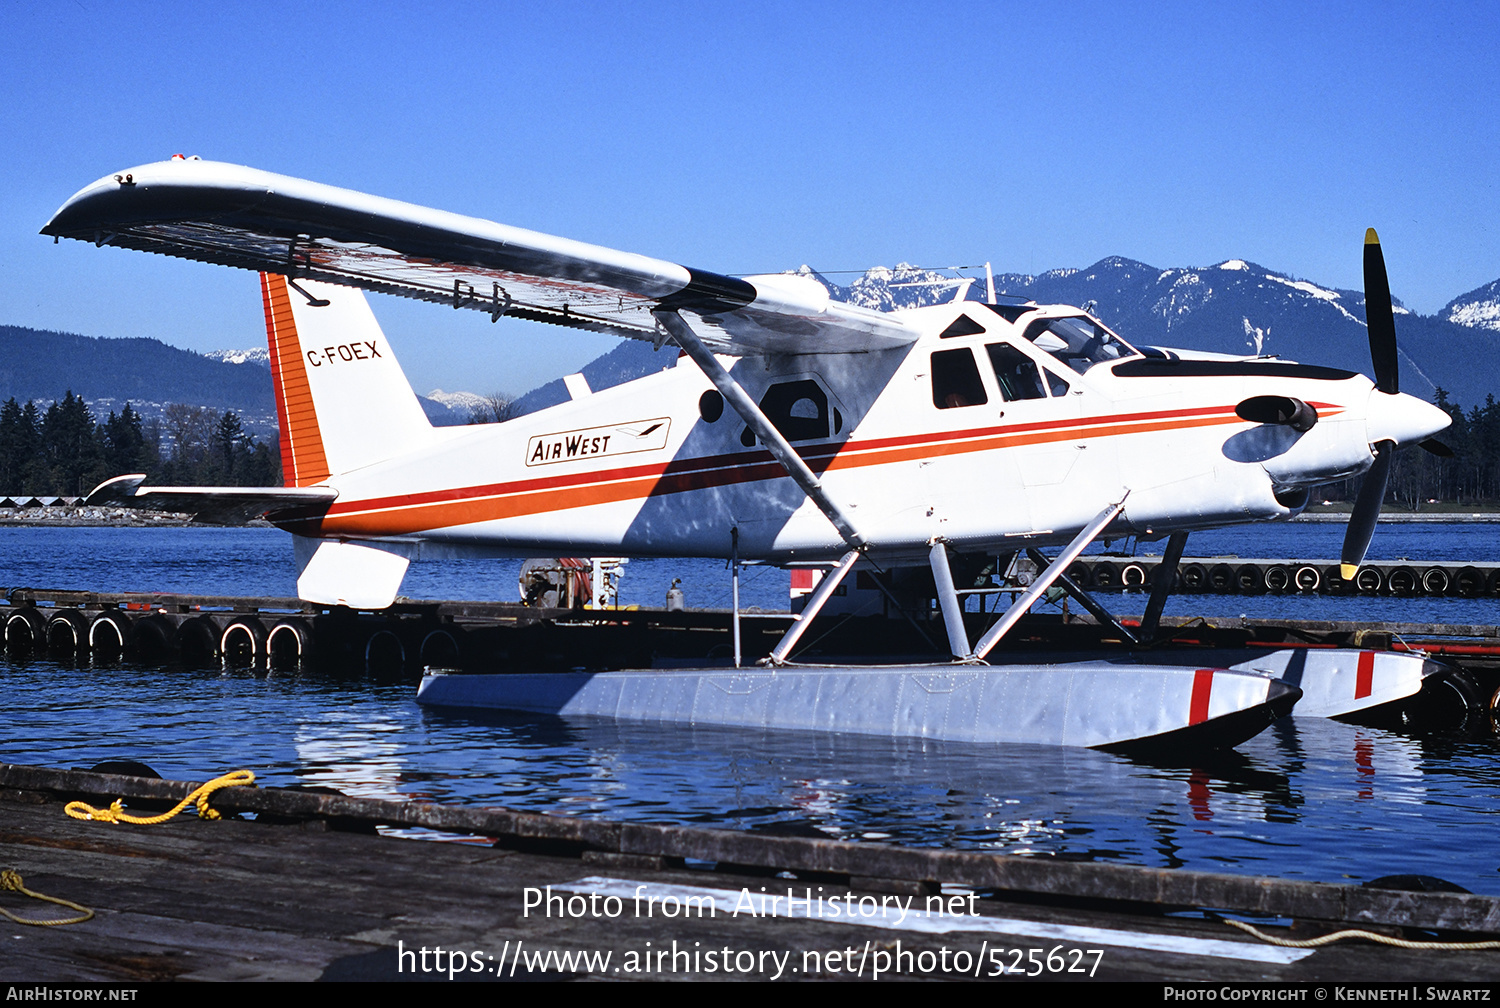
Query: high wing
point(231, 505)
point(237, 216)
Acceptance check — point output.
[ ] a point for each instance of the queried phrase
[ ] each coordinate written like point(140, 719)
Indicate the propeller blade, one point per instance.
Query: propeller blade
point(1437, 447)
point(1379, 318)
point(1366, 511)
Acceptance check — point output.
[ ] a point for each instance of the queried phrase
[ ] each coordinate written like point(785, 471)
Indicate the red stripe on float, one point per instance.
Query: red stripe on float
point(1203, 685)
point(1364, 676)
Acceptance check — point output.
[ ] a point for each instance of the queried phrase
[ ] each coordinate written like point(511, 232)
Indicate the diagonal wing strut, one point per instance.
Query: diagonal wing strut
point(746, 407)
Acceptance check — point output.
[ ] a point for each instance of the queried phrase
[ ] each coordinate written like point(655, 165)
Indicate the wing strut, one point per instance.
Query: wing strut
point(1047, 577)
point(749, 412)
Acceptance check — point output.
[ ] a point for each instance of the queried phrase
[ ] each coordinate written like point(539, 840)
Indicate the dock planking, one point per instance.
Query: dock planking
point(310, 891)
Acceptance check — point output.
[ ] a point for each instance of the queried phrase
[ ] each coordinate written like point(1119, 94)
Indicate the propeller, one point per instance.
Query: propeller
point(1382, 328)
point(1366, 511)
point(1379, 317)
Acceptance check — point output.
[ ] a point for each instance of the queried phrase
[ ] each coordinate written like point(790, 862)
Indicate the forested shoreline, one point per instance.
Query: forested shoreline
point(1420, 479)
point(64, 450)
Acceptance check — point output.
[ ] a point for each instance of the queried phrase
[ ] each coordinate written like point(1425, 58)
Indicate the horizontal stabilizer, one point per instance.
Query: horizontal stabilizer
point(227, 505)
point(237, 216)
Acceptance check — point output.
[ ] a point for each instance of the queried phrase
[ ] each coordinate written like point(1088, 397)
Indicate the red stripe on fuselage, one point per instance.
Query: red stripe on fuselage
point(415, 512)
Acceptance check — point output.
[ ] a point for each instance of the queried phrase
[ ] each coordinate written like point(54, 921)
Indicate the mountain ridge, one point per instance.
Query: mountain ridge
point(1235, 306)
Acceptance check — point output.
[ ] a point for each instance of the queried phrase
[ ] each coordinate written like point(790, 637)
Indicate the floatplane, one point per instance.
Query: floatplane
point(792, 430)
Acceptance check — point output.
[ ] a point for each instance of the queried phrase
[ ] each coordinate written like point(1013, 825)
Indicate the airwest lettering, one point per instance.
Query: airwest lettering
point(572, 446)
point(617, 439)
point(363, 350)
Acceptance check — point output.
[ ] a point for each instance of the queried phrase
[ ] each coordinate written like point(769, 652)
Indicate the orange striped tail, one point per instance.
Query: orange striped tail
point(303, 461)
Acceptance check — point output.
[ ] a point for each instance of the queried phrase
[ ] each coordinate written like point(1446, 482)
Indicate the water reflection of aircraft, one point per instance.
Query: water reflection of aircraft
point(808, 431)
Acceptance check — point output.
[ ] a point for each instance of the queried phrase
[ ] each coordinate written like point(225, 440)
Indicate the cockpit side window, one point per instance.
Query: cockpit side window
point(1018, 375)
point(955, 379)
point(1078, 342)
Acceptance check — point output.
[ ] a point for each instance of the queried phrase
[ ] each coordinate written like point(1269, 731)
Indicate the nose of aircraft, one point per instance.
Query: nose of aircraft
point(1402, 418)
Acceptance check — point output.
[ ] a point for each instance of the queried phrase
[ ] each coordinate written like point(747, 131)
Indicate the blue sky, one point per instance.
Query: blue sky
point(757, 137)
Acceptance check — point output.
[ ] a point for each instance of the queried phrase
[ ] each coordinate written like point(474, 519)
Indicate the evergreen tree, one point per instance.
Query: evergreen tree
point(228, 443)
point(70, 446)
point(36, 477)
point(124, 444)
point(19, 443)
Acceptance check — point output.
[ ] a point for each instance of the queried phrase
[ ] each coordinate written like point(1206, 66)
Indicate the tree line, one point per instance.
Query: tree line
point(1471, 476)
point(64, 451)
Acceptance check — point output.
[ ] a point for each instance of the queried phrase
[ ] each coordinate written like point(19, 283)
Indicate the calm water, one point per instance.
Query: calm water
point(1308, 799)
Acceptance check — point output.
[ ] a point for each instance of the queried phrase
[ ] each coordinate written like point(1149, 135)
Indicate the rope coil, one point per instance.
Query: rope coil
point(116, 813)
point(10, 881)
point(1337, 936)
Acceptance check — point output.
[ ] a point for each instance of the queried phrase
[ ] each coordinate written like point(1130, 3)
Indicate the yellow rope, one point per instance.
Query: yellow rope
point(1329, 939)
point(116, 812)
point(11, 880)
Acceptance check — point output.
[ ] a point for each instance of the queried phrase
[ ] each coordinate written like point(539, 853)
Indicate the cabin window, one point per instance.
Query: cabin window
point(1078, 342)
point(962, 326)
point(798, 409)
point(1018, 375)
point(955, 379)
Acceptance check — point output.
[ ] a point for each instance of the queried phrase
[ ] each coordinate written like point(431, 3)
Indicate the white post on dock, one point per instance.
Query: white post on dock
point(734, 563)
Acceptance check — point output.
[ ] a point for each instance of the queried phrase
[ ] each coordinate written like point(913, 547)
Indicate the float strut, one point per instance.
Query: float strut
point(1047, 577)
point(819, 597)
point(1093, 605)
point(1166, 573)
point(953, 610)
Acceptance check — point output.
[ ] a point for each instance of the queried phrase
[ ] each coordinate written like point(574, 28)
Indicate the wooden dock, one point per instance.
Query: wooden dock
point(309, 891)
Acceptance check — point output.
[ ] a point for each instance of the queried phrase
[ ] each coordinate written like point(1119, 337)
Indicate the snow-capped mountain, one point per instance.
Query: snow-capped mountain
point(1234, 307)
point(459, 402)
point(1478, 309)
point(254, 355)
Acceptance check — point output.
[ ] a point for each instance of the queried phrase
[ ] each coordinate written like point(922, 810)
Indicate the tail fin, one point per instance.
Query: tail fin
point(342, 400)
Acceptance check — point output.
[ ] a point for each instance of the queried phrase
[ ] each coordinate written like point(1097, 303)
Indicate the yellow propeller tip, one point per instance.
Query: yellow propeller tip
point(1371, 238)
point(1347, 571)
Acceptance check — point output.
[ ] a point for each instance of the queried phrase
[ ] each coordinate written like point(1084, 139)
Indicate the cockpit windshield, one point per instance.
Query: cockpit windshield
point(1078, 342)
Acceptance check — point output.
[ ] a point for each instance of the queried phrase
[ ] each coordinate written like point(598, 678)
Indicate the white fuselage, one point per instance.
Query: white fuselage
point(660, 466)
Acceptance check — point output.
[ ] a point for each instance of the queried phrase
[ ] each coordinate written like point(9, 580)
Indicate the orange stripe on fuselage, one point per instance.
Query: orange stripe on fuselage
point(407, 513)
point(302, 460)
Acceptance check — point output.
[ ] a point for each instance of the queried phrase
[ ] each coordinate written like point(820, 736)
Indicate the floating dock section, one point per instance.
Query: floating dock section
point(1232, 575)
